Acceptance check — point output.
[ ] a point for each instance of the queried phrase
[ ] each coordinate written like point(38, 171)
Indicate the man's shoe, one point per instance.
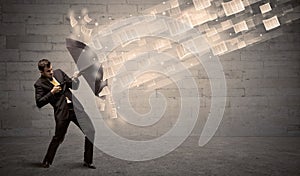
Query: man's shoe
point(46, 164)
point(89, 165)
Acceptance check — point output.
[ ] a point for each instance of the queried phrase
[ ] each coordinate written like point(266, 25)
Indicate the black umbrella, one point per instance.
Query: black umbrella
point(87, 62)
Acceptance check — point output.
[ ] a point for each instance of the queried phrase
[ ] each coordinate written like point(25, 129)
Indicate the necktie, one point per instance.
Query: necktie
point(55, 82)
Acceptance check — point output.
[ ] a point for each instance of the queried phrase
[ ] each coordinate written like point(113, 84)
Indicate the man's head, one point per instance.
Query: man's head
point(45, 68)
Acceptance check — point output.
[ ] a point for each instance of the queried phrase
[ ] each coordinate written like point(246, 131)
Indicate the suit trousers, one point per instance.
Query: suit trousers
point(61, 127)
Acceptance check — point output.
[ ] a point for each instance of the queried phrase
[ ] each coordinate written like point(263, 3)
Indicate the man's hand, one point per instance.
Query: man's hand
point(55, 89)
point(76, 74)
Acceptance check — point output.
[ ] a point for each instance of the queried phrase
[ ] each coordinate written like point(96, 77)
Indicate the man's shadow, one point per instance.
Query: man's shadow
point(33, 164)
point(75, 165)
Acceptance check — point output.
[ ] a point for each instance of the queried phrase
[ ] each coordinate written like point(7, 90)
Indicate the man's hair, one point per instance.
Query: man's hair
point(43, 63)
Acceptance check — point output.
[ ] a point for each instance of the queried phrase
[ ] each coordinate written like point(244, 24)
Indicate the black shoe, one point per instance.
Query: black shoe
point(46, 164)
point(89, 165)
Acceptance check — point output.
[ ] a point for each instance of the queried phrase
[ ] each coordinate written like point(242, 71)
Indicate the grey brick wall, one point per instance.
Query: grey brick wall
point(263, 80)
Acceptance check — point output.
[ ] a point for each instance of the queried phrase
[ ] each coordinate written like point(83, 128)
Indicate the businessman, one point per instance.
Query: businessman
point(53, 87)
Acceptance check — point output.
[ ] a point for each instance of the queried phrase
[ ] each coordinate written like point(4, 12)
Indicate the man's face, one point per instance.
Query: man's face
point(48, 72)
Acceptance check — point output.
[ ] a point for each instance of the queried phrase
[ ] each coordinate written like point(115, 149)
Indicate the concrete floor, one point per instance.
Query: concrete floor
point(221, 156)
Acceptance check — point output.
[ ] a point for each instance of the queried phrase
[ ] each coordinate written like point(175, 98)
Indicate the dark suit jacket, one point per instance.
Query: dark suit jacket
point(43, 95)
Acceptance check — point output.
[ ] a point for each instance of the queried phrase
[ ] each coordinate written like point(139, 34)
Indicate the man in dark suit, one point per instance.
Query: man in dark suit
point(54, 87)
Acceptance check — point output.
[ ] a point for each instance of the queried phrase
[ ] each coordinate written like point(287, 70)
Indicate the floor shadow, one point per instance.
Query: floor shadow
point(33, 164)
point(78, 165)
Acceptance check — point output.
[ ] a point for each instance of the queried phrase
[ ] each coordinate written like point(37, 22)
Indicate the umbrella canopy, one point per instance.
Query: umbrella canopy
point(87, 63)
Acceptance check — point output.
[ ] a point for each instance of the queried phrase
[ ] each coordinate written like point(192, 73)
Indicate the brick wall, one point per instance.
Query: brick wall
point(263, 80)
